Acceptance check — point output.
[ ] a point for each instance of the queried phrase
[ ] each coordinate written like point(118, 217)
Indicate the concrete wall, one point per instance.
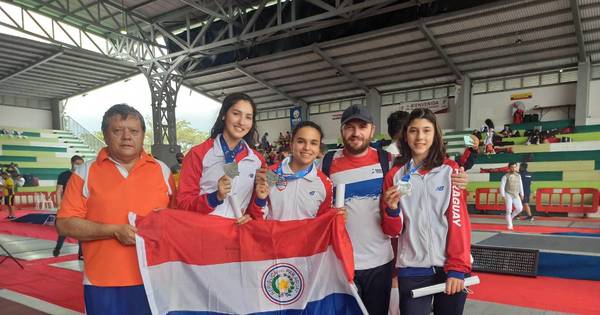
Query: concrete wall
point(594, 102)
point(21, 117)
point(330, 124)
point(497, 105)
point(273, 127)
point(446, 120)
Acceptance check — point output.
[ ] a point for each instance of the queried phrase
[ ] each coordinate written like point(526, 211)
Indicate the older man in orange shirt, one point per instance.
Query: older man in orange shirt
point(100, 194)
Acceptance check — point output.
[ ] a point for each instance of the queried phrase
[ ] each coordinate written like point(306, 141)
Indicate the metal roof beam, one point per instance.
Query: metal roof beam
point(200, 6)
point(295, 26)
point(578, 30)
point(431, 38)
point(33, 65)
point(340, 68)
point(268, 85)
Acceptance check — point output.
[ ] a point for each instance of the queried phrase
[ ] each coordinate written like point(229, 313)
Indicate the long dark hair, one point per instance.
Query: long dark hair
point(251, 137)
point(437, 151)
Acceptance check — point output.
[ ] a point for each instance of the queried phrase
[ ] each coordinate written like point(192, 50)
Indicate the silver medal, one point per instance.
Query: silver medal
point(404, 188)
point(231, 170)
point(272, 178)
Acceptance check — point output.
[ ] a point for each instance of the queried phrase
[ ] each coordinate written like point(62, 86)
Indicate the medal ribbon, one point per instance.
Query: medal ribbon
point(411, 171)
point(230, 154)
point(299, 174)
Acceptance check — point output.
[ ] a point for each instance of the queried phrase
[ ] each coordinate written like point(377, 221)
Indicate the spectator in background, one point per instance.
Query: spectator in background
point(467, 159)
point(176, 168)
point(526, 178)
point(99, 196)
point(511, 189)
point(61, 184)
point(264, 142)
point(395, 123)
point(488, 130)
point(8, 188)
point(19, 182)
point(13, 170)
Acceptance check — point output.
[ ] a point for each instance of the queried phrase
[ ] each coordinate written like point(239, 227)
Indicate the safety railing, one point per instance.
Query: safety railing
point(79, 131)
point(571, 200)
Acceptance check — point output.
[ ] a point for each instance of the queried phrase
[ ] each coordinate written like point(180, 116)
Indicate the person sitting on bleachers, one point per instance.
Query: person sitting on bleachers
point(487, 130)
point(467, 159)
point(507, 132)
point(8, 188)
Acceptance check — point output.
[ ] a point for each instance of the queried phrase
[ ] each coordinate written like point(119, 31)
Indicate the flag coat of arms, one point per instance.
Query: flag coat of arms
point(201, 264)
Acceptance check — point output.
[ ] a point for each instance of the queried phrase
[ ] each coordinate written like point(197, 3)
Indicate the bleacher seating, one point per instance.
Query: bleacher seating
point(573, 164)
point(43, 153)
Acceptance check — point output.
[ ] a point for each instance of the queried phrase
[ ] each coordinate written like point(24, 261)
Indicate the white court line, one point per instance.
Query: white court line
point(36, 303)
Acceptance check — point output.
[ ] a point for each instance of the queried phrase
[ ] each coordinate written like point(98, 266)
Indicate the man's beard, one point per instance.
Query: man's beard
point(358, 150)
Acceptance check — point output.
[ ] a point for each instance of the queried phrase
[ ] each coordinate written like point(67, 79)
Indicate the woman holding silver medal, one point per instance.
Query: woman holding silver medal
point(217, 176)
point(431, 219)
point(295, 188)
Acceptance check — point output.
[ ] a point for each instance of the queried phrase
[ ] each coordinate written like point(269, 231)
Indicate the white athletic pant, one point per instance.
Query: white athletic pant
point(510, 201)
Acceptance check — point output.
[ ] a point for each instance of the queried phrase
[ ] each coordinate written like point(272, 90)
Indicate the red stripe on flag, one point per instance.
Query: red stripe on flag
point(198, 239)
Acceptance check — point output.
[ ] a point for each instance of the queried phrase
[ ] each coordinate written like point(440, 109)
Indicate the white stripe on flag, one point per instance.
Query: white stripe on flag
point(239, 288)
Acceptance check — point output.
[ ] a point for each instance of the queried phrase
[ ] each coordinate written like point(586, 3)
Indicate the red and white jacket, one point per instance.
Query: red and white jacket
point(432, 221)
point(201, 170)
point(296, 199)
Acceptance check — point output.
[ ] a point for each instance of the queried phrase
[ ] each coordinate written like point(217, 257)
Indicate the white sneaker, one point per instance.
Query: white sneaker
point(510, 228)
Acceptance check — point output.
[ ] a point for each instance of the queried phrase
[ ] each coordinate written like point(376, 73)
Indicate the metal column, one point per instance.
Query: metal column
point(164, 81)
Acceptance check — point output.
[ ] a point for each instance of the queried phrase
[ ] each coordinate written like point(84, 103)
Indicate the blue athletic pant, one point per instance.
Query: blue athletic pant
point(443, 304)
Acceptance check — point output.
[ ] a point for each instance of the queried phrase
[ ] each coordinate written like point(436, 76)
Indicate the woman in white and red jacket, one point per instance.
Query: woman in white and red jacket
point(431, 219)
point(203, 184)
point(302, 190)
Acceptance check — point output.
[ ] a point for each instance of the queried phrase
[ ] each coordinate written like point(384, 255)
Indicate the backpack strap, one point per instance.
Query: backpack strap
point(326, 165)
point(383, 160)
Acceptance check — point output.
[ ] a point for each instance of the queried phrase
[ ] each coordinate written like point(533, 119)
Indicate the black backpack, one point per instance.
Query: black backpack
point(382, 154)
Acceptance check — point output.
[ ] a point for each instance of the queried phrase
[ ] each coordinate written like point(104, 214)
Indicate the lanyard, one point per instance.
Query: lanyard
point(406, 177)
point(230, 154)
point(297, 175)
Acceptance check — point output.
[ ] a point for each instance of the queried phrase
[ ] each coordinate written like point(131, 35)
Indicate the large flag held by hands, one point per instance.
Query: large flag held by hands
point(201, 264)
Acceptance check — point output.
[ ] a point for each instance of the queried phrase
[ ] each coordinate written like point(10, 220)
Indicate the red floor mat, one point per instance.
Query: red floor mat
point(55, 285)
point(553, 294)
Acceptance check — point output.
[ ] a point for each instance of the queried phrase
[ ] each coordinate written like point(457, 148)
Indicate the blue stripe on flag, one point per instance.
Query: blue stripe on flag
point(337, 303)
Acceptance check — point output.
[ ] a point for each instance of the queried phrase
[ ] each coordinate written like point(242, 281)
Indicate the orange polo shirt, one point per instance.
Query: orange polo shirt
point(102, 191)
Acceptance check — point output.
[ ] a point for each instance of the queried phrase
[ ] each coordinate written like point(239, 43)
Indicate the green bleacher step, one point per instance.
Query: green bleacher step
point(32, 148)
point(540, 156)
point(554, 124)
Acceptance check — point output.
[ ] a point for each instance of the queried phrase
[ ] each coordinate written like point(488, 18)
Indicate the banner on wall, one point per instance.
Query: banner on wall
point(436, 105)
point(295, 116)
point(521, 96)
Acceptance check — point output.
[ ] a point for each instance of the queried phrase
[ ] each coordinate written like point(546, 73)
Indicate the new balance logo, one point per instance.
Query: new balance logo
point(440, 188)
